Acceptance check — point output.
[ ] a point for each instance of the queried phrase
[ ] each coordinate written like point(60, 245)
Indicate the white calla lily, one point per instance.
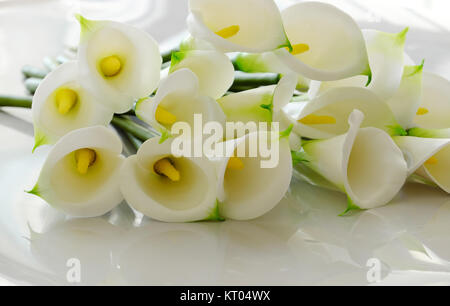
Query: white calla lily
point(214, 70)
point(386, 58)
point(405, 102)
point(118, 62)
point(81, 174)
point(178, 99)
point(61, 105)
point(326, 115)
point(386, 61)
point(261, 104)
point(364, 163)
point(169, 188)
point(237, 25)
point(244, 190)
point(433, 115)
point(327, 44)
point(267, 62)
point(427, 157)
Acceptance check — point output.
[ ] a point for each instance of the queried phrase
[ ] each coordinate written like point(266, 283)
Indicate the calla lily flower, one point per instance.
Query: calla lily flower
point(244, 189)
point(364, 163)
point(169, 188)
point(326, 115)
point(261, 104)
point(386, 60)
point(177, 100)
point(81, 174)
point(327, 44)
point(429, 158)
point(118, 62)
point(237, 25)
point(433, 115)
point(213, 69)
point(267, 62)
point(405, 102)
point(61, 105)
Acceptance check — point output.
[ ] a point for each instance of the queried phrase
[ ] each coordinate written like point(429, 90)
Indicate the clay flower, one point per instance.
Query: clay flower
point(61, 105)
point(214, 70)
point(237, 25)
point(81, 174)
point(428, 158)
point(365, 163)
point(169, 188)
point(327, 44)
point(118, 62)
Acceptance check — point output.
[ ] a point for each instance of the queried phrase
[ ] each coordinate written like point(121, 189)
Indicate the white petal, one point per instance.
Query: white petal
point(137, 50)
point(338, 103)
point(364, 163)
point(89, 195)
point(405, 102)
point(386, 58)
point(49, 124)
point(418, 150)
point(267, 62)
point(336, 44)
point(193, 198)
point(259, 21)
point(247, 106)
point(261, 104)
point(253, 191)
point(436, 100)
point(179, 94)
point(213, 69)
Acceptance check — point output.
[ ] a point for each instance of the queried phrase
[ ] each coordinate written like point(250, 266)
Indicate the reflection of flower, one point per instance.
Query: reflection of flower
point(237, 25)
point(81, 174)
point(169, 188)
point(61, 105)
point(118, 63)
point(364, 163)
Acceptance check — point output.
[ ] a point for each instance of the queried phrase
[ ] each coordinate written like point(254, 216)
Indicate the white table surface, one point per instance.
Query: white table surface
point(302, 241)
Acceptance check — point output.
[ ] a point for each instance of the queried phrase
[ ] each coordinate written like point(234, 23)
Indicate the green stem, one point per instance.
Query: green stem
point(133, 128)
point(12, 101)
point(167, 54)
point(120, 121)
point(255, 79)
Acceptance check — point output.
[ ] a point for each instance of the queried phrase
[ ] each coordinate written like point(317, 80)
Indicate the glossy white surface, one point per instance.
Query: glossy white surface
point(302, 241)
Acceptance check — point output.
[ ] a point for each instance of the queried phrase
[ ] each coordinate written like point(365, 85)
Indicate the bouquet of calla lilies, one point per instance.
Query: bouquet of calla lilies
point(347, 109)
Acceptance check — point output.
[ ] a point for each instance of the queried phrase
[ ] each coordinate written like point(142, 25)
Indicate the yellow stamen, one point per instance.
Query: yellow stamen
point(165, 168)
point(110, 66)
point(422, 111)
point(164, 117)
point(235, 163)
point(314, 119)
point(84, 159)
point(298, 49)
point(432, 161)
point(66, 100)
point(228, 31)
